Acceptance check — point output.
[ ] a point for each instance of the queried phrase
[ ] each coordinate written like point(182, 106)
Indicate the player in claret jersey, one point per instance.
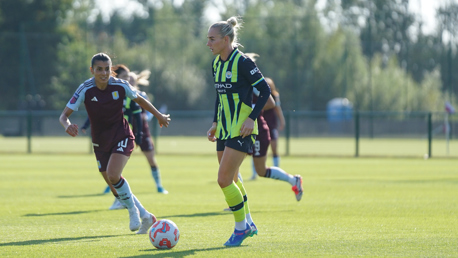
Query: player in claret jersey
point(112, 138)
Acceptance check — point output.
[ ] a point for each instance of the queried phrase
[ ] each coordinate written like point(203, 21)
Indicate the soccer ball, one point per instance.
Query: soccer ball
point(164, 234)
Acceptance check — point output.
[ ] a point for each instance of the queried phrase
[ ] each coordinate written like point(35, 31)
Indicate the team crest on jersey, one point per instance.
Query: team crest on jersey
point(74, 98)
point(115, 95)
point(228, 74)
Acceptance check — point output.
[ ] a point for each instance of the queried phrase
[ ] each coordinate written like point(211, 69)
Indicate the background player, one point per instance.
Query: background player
point(272, 117)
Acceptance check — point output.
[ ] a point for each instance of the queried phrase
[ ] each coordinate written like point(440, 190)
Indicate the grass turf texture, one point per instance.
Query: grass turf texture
point(185, 145)
point(52, 206)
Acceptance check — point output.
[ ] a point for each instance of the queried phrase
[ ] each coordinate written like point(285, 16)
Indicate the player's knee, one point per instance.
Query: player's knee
point(224, 182)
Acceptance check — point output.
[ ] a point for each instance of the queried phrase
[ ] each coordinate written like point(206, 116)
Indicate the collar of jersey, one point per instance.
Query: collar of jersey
point(231, 56)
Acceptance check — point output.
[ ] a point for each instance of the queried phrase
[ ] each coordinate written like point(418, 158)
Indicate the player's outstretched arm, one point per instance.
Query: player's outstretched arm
point(161, 118)
point(71, 129)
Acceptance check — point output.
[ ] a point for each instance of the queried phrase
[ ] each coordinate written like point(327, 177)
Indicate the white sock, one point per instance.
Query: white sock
point(280, 174)
point(124, 193)
point(276, 160)
point(248, 218)
point(240, 225)
point(140, 207)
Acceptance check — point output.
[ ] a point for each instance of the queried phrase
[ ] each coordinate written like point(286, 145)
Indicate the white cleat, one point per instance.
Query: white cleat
point(134, 217)
point(147, 222)
point(297, 188)
point(117, 205)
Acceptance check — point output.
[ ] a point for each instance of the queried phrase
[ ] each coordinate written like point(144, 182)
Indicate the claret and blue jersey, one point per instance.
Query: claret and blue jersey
point(234, 81)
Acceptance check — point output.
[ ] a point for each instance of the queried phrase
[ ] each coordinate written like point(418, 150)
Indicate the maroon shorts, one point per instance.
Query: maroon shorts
point(124, 147)
point(147, 143)
point(273, 133)
point(261, 144)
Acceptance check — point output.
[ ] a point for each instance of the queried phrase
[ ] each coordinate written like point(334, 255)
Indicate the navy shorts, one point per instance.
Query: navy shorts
point(124, 147)
point(237, 143)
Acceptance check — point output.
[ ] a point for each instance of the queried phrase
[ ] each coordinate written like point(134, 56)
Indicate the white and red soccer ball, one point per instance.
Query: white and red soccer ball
point(164, 234)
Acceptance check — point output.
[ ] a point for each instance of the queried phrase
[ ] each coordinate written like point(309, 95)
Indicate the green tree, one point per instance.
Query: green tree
point(29, 35)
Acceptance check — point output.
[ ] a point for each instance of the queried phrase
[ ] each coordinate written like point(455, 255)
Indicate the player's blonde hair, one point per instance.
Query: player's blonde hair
point(252, 56)
point(229, 28)
point(141, 79)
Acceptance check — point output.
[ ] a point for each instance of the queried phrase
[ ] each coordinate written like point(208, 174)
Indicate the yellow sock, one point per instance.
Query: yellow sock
point(245, 199)
point(235, 201)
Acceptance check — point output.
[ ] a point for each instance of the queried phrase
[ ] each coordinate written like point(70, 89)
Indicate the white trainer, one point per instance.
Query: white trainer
point(117, 205)
point(134, 217)
point(147, 221)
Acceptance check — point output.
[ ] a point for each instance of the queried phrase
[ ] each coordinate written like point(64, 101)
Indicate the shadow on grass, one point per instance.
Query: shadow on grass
point(170, 253)
point(220, 213)
point(206, 214)
point(60, 213)
point(54, 240)
point(81, 195)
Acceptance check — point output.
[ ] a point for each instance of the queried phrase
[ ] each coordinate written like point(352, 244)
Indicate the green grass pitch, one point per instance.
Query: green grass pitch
point(52, 206)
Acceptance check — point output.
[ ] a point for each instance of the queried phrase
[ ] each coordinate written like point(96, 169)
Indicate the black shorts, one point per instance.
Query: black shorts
point(237, 143)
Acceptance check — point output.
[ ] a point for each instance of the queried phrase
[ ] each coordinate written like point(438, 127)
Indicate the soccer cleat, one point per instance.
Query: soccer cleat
point(117, 205)
point(238, 236)
point(134, 218)
point(254, 229)
point(227, 209)
point(297, 188)
point(161, 190)
point(107, 190)
point(147, 222)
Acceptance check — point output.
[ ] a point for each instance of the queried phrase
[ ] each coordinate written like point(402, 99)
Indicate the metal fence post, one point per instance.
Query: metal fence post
point(288, 129)
point(356, 134)
point(430, 134)
point(29, 131)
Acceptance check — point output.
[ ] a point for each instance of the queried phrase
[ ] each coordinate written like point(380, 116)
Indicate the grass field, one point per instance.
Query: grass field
point(311, 147)
point(52, 206)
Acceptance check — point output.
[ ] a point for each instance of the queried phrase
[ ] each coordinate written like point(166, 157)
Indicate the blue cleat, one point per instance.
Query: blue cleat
point(254, 230)
point(107, 190)
point(238, 236)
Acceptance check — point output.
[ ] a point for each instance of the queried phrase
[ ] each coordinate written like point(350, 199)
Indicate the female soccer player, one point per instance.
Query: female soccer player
point(260, 159)
point(234, 127)
point(112, 137)
point(146, 144)
point(272, 117)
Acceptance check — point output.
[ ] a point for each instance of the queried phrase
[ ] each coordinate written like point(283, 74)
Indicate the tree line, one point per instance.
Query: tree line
point(372, 52)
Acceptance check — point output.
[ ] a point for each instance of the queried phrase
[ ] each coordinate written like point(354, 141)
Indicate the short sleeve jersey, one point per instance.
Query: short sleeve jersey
point(105, 111)
point(234, 81)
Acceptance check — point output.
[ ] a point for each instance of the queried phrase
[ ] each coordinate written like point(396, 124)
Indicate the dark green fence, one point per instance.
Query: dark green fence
point(412, 134)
